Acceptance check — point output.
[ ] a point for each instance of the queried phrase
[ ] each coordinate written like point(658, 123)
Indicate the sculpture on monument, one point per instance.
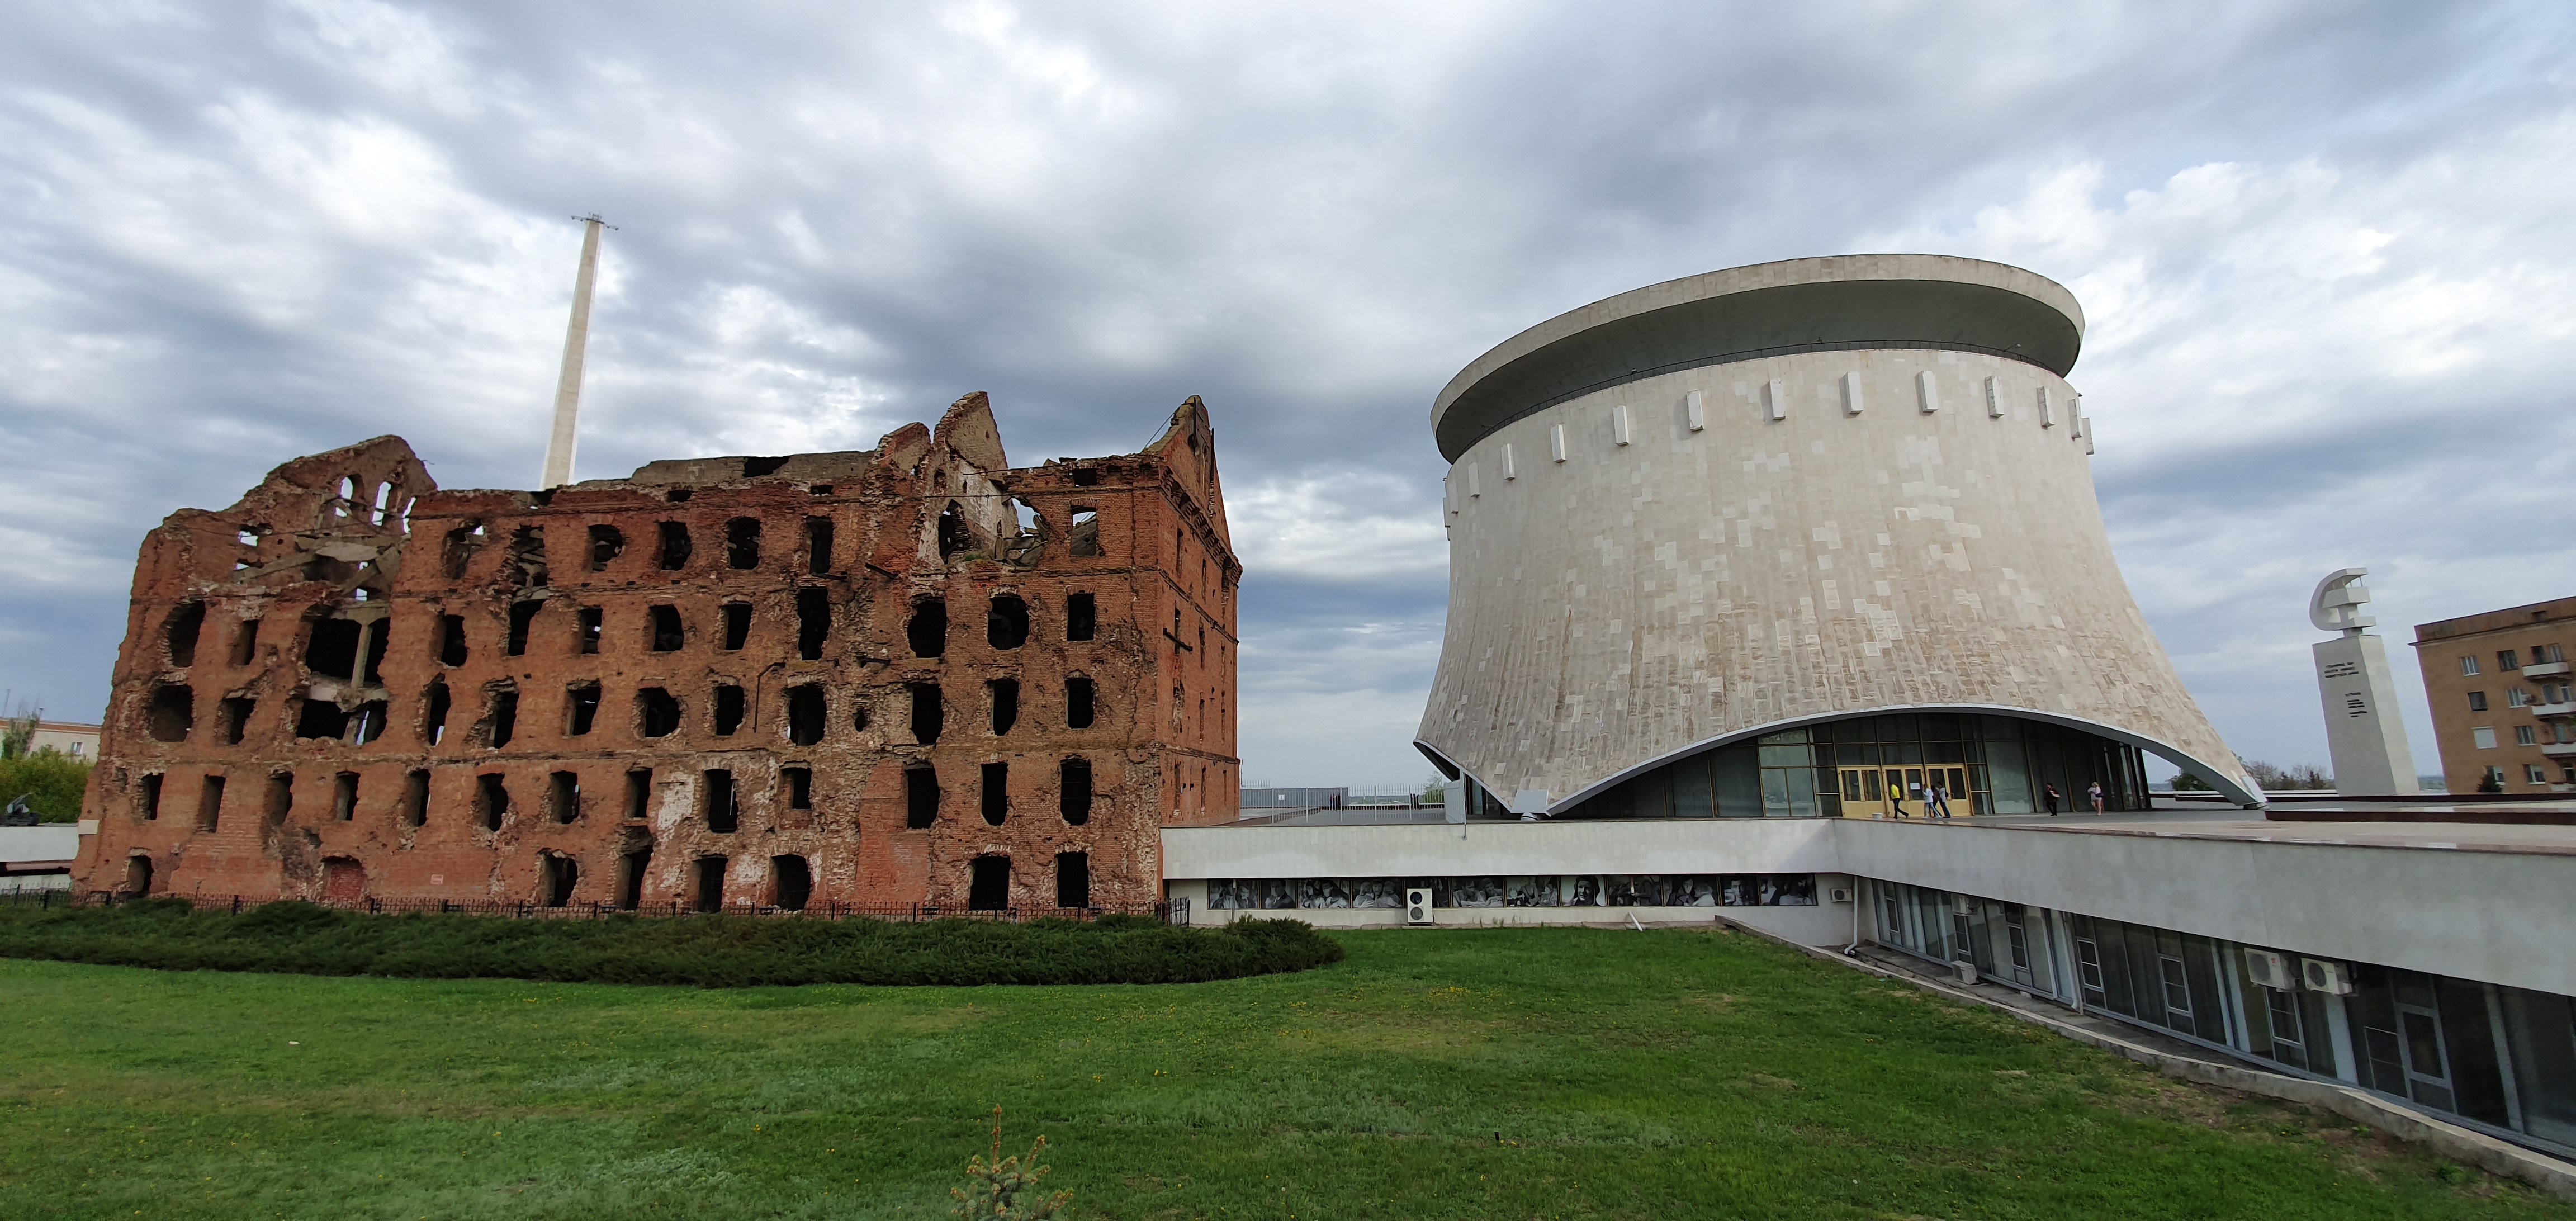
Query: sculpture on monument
point(2364, 732)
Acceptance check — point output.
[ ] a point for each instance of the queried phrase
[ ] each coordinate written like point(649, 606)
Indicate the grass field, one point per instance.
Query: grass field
point(1507, 1073)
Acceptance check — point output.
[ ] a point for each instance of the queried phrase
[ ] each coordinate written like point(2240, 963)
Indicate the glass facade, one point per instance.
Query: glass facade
point(1569, 890)
point(1885, 765)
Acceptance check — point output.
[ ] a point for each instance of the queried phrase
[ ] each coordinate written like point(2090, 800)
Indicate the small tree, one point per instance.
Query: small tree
point(2489, 784)
point(18, 737)
point(1001, 1183)
point(1435, 789)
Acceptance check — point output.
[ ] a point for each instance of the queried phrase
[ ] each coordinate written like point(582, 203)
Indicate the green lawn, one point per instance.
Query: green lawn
point(1506, 1073)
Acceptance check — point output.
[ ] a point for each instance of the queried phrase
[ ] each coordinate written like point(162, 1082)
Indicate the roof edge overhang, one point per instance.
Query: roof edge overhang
point(1832, 303)
point(2242, 792)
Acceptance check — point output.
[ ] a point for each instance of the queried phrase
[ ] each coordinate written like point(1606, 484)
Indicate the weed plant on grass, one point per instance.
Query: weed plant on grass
point(1557, 1073)
point(709, 951)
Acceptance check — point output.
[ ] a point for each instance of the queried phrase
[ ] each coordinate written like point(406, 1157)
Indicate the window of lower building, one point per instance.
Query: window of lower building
point(2483, 737)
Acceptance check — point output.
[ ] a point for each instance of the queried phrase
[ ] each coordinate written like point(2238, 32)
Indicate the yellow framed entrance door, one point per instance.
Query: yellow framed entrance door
point(1865, 792)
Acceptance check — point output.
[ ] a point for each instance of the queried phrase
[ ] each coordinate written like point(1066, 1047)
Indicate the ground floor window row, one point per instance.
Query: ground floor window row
point(803, 715)
point(1883, 766)
point(712, 881)
point(1580, 890)
point(497, 798)
point(2498, 1056)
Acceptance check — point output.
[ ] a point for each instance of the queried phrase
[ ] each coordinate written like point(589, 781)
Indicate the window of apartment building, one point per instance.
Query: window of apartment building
point(2468, 667)
point(2534, 773)
point(2483, 737)
point(2525, 735)
point(2477, 701)
point(2495, 775)
point(2542, 654)
point(2505, 660)
point(2517, 698)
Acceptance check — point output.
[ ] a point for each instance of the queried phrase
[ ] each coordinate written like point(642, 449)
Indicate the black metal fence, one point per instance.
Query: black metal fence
point(1176, 911)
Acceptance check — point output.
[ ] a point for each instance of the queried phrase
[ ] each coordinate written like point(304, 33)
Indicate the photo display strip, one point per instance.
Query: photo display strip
point(1570, 890)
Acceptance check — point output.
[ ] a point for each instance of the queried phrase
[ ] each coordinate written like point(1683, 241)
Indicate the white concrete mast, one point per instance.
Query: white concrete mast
point(558, 471)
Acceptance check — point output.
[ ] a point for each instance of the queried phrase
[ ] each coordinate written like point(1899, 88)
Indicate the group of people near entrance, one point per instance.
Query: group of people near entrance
point(1936, 799)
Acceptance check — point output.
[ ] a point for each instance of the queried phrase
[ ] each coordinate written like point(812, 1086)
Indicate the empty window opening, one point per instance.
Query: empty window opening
point(677, 496)
point(1077, 703)
point(920, 796)
point(1005, 695)
point(928, 718)
point(742, 543)
point(581, 708)
point(805, 713)
point(800, 787)
point(707, 872)
point(449, 640)
point(859, 714)
point(521, 615)
point(592, 618)
point(996, 795)
point(955, 536)
point(1081, 617)
point(344, 797)
point(737, 624)
point(791, 882)
point(813, 621)
point(1085, 535)
point(818, 545)
point(639, 794)
point(415, 805)
point(148, 799)
point(368, 723)
point(373, 672)
point(320, 718)
point(501, 722)
point(245, 642)
point(433, 720)
point(722, 812)
point(755, 468)
point(667, 634)
point(280, 798)
point(1006, 626)
point(1073, 879)
point(138, 875)
point(333, 649)
point(491, 800)
point(606, 543)
point(527, 563)
point(990, 891)
point(458, 551)
point(728, 710)
point(233, 717)
point(631, 868)
point(819, 489)
point(1073, 791)
point(563, 796)
point(210, 802)
point(1086, 477)
point(927, 632)
point(562, 874)
point(660, 713)
point(1026, 515)
point(182, 628)
point(675, 545)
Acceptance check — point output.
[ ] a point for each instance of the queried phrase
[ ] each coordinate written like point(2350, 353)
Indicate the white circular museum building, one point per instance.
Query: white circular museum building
point(1807, 538)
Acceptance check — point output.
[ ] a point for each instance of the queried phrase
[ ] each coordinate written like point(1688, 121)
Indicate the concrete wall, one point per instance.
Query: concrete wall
point(1511, 849)
point(2499, 917)
point(1639, 599)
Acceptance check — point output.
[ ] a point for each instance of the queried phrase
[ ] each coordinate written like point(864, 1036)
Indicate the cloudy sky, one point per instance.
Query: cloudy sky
point(2325, 250)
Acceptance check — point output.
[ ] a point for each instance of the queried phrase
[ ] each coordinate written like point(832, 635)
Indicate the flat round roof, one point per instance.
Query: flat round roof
point(1839, 302)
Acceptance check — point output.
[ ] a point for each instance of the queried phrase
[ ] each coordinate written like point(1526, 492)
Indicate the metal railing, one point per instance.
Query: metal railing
point(1176, 911)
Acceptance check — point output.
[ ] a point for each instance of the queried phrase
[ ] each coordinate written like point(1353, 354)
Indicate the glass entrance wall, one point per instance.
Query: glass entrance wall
point(1883, 765)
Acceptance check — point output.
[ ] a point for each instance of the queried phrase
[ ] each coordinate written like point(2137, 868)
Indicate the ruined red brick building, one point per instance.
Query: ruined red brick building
point(913, 674)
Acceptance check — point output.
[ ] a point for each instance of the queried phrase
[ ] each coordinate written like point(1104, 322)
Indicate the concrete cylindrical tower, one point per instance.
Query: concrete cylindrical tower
point(1726, 507)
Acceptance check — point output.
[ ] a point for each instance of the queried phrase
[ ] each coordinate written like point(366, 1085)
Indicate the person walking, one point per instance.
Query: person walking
point(2049, 793)
point(1937, 802)
point(2094, 793)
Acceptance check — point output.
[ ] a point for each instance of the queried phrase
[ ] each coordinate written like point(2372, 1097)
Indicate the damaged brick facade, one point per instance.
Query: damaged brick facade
point(907, 675)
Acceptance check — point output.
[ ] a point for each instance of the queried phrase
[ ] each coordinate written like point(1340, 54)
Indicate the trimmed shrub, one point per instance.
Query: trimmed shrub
point(715, 951)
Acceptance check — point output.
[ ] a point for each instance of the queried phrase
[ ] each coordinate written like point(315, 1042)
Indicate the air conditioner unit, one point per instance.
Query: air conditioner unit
point(2323, 976)
point(2269, 970)
point(1417, 905)
point(1839, 894)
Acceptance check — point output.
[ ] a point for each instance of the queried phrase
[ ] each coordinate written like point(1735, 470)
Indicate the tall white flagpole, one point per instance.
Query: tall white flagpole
point(558, 471)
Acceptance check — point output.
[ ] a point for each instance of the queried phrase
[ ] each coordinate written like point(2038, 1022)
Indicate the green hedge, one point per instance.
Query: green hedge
point(708, 951)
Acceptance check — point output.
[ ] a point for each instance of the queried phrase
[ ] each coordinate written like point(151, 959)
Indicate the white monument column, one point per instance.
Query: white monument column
point(558, 470)
point(2364, 732)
